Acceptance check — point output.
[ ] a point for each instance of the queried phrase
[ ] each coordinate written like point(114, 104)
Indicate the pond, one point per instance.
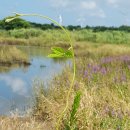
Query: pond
point(16, 82)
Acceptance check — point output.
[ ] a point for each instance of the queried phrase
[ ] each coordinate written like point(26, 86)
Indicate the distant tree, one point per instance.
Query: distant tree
point(44, 26)
point(71, 27)
point(15, 24)
point(124, 28)
point(87, 27)
point(99, 29)
point(20, 23)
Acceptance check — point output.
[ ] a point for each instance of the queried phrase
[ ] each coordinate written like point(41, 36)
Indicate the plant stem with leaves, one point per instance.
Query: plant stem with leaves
point(57, 52)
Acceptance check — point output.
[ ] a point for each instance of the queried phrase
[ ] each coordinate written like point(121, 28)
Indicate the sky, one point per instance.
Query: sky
point(72, 12)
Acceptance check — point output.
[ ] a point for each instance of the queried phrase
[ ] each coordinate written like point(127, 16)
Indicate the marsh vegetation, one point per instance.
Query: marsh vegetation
point(38, 37)
point(103, 79)
point(100, 96)
point(11, 55)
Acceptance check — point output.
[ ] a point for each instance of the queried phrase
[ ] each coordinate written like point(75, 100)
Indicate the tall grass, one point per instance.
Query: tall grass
point(34, 37)
point(40, 37)
point(115, 37)
point(12, 55)
point(103, 78)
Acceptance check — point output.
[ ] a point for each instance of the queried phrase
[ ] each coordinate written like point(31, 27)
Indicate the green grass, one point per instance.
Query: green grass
point(34, 37)
point(102, 76)
point(38, 37)
point(113, 37)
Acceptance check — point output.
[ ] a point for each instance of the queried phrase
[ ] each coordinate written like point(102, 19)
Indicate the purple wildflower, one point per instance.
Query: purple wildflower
point(125, 59)
point(89, 65)
point(107, 60)
point(103, 71)
point(95, 68)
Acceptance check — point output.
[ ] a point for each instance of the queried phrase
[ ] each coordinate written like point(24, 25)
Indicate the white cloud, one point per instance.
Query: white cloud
point(112, 1)
point(88, 5)
point(99, 13)
point(92, 9)
point(59, 3)
point(17, 85)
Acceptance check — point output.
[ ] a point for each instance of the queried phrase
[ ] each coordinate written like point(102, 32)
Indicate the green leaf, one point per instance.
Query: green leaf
point(75, 107)
point(10, 19)
point(58, 52)
point(68, 54)
point(55, 56)
point(13, 17)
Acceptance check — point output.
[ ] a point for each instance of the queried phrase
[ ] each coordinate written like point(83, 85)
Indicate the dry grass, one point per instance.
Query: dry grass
point(11, 55)
point(99, 50)
point(16, 123)
point(105, 102)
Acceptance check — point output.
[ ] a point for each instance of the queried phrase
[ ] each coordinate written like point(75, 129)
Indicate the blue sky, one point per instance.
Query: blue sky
point(75, 12)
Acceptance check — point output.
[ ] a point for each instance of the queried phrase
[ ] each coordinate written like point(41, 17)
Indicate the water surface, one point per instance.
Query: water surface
point(16, 82)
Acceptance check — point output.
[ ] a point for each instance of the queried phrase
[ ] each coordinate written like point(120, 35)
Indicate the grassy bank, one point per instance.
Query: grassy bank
point(15, 123)
point(103, 78)
point(12, 55)
point(38, 37)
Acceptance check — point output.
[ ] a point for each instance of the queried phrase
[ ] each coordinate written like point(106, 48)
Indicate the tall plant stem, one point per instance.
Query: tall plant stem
point(73, 59)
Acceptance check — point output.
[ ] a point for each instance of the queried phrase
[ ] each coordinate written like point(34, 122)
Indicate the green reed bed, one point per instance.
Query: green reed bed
point(39, 37)
point(34, 37)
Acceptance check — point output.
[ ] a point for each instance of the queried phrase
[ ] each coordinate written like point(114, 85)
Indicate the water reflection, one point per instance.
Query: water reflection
point(16, 81)
point(8, 68)
point(16, 84)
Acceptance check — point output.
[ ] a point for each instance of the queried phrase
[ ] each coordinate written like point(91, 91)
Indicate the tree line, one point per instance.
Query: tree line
point(21, 23)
